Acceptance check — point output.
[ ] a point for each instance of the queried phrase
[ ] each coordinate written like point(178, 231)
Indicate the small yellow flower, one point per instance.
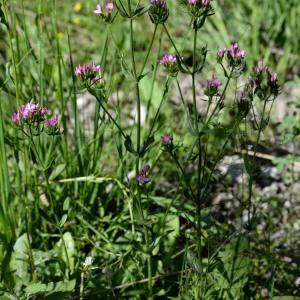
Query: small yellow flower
point(60, 35)
point(76, 20)
point(77, 7)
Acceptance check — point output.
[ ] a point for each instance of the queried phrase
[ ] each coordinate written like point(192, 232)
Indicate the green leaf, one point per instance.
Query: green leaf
point(140, 11)
point(63, 220)
point(36, 288)
point(19, 263)
point(232, 274)
point(2, 17)
point(51, 290)
point(67, 250)
point(57, 171)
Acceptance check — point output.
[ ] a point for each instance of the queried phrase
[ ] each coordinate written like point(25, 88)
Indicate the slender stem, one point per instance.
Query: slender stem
point(81, 286)
point(219, 157)
point(250, 188)
point(199, 168)
point(34, 148)
point(221, 97)
point(138, 149)
point(149, 49)
point(174, 46)
point(111, 118)
point(175, 158)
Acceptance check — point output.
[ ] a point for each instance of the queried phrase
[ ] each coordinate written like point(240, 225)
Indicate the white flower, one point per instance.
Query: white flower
point(88, 261)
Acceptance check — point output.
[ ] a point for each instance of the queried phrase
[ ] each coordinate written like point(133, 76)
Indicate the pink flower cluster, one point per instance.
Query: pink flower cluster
point(52, 122)
point(199, 2)
point(109, 7)
point(258, 70)
point(213, 83)
point(212, 86)
point(170, 62)
point(90, 74)
point(158, 3)
point(166, 139)
point(168, 59)
point(28, 113)
point(88, 70)
point(34, 114)
point(142, 177)
point(234, 52)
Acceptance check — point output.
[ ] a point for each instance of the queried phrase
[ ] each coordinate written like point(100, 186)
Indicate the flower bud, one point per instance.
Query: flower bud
point(158, 11)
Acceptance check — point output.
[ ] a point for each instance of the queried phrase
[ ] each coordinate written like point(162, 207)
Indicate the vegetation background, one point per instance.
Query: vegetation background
point(91, 212)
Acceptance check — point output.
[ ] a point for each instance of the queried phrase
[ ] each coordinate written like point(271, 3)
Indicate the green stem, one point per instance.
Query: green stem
point(250, 188)
point(34, 148)
point(149, 49)
point(138, 149)
point(199, 168)
point(174, 46)
point(111, 117)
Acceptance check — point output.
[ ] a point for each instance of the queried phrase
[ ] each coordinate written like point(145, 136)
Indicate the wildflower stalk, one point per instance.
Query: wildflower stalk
point(154, 77)
point(250, 188)
point(198, 201)
point(174, 46)
point(35, 151)
point(222, 96)
point(138, 149)
point(149, 49)
point(100, 101)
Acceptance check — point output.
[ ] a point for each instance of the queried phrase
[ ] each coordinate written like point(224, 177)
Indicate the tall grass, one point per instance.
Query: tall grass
point(67, 197)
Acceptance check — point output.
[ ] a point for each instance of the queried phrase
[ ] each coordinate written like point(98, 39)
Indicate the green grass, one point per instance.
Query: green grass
point(75, 195)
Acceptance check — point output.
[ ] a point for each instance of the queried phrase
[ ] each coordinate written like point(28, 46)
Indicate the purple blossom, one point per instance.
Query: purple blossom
point(199, 2)
point(16, 118)
point(108, 7)
point(88, 70)
point(259, 67)
point(274, 77)
point(90, 74)
point(168, 59)
point(214, 82)
point(142, 176)
point(98, 10)
point(212, 86)
point(166, 139)
point(235, 52)
point(29, 112)
point(52, 122)
point(31, 115)
point(221, 52)
point(158, 3)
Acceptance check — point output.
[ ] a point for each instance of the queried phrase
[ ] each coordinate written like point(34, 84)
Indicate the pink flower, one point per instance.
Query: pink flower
point(166, 139)
point(221, 52)
point(274, 77)
point(212, 86)
point(52, 122)
point(259, 67)
point(199, 2)
point(158, 3)
point(167, 59)
point(235, 52)
point(90, 74)
point(29, 113)
point(98, 10)
point(214, 82)
point(142, 177)
point(109, 7)
point(16, 118)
